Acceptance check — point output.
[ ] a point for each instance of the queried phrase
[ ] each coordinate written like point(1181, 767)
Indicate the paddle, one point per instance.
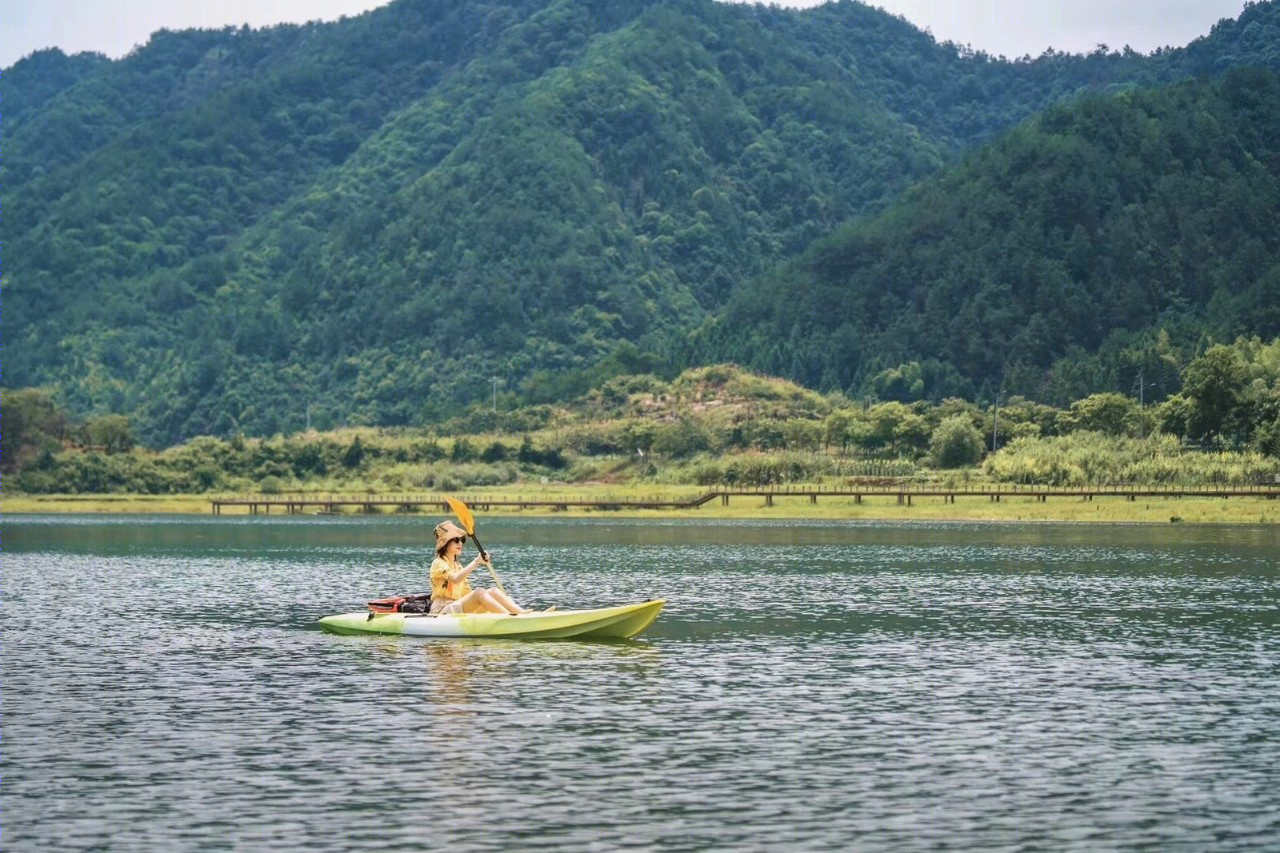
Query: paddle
point(463, 512)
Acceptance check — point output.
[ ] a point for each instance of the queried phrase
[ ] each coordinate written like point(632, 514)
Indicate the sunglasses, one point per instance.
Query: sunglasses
point(459, 541)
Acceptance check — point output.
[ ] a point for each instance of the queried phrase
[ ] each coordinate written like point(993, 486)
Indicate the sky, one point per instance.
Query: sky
point(1011, 28)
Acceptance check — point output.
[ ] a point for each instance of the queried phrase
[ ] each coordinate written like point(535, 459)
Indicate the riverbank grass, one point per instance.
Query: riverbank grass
point(1104, 508)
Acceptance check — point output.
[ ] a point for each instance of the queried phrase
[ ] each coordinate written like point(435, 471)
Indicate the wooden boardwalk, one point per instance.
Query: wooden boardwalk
point(372, 503)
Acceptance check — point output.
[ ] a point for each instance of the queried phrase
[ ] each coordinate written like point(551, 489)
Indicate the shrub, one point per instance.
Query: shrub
point(1110, 413)
point(495, 452)
point(1093, 458)
point(451, 477)
point(708, 474)
point(205, 478)
point(354, 454)
point(426, 451)
point(682, 439)
point(1267, 439)
point(956, 443)
point(552, 457)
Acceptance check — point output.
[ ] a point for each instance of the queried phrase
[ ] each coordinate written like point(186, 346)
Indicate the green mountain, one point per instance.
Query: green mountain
point(369, 221)
point(1073, 255)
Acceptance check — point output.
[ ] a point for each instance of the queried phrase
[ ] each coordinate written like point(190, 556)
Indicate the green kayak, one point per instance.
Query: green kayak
point(605, 623)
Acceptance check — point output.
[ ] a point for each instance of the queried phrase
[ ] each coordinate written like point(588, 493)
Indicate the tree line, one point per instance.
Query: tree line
point(363, 222)
point(718, 425)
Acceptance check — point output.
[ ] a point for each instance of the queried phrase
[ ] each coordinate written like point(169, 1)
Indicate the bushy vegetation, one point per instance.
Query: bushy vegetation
point(365, 222)
point(714, 426)
point(1090, 458)
point(366, 459)
point(956, 443)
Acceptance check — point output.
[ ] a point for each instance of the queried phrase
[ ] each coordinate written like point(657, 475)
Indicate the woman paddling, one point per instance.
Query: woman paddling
point(450, 591)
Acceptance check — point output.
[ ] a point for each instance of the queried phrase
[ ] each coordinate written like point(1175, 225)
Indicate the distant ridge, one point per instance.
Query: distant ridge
point(368, 221)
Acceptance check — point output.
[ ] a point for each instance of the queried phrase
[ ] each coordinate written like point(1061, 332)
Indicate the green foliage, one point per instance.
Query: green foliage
point(462, 451)
point(354, 454)
point(956, 443)
point(904, 384)
point(776, 435)
point(363, 222)
point(450, 478)
point(110, 432)
point(1109, 413)
point(1214, 383)
point(1267, 438)
point(552, 458)
point(1091, 458)
point(897, 429)
point(1230, 396)
point(34, 426)
point(681, 439)
point(495, 452)
point(759, 470)
point(1091, 249)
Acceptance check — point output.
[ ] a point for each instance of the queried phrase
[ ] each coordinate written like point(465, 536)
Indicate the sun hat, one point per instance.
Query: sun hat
point(445, 531)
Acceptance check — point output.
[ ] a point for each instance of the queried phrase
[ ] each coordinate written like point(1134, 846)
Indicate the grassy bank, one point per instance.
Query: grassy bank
point(1105, 509)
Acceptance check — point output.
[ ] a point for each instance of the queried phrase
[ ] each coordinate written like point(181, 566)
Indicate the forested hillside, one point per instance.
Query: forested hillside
point(367, 221)
point(1077, 254)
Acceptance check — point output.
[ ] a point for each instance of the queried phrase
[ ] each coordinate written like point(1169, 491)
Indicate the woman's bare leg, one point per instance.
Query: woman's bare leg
point(478, 601)
point(505, 600)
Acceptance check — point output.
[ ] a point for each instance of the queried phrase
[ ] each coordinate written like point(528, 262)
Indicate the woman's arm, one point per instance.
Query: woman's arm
point(466, 570)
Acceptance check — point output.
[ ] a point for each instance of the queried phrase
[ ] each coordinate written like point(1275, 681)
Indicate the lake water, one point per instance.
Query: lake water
point(810, 686)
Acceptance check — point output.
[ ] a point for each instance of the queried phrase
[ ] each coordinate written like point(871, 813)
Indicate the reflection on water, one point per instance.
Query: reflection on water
point(448, 676)
point(916, 686)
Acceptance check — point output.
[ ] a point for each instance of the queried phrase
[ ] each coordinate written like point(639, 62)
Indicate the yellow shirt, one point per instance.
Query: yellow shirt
point(440, 586)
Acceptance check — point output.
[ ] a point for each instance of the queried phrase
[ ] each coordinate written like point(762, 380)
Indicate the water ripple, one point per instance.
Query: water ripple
point(809, 687)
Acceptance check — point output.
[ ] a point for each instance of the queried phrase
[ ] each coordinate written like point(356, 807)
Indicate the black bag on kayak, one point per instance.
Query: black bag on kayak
point(415, 604)
point(402, 604)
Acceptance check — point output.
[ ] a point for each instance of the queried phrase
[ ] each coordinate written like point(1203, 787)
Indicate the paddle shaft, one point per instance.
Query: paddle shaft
point(484, 555)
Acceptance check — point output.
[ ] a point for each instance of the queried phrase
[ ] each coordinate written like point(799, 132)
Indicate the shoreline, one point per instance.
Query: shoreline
point(1108, 510)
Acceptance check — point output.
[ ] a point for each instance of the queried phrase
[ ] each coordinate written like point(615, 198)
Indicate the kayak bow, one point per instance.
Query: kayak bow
point(605, 623)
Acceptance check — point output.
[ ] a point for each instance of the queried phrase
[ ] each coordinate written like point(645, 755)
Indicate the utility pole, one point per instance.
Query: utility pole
point(1142, 402)
point(995, 420)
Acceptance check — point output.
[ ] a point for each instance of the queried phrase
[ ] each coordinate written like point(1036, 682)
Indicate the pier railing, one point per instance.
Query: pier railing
point(371, 503)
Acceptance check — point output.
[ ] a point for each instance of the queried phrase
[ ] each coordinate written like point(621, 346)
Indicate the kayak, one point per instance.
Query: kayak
point(605, 623)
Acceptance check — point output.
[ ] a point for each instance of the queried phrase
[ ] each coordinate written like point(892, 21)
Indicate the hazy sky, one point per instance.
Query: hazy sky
point(1009, 27)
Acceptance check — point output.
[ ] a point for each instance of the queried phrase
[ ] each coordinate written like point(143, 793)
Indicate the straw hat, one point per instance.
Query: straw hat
point(447, 530)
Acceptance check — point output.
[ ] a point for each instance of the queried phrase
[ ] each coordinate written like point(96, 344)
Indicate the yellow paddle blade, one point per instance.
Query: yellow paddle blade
point(463, 513)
